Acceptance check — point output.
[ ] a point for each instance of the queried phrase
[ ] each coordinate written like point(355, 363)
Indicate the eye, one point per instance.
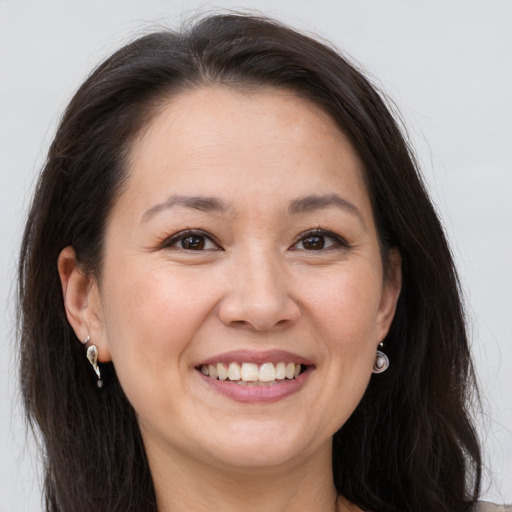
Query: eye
point(318, 240)
point(191, 240)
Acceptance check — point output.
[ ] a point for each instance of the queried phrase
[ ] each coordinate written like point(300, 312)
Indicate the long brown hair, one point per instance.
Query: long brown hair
point(409, 445)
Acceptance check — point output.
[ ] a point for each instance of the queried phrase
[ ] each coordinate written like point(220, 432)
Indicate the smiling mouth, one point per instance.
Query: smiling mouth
point(252, 374)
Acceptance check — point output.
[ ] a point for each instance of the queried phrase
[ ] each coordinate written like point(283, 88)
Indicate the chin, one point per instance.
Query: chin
point(253, 446)
point(255, 456)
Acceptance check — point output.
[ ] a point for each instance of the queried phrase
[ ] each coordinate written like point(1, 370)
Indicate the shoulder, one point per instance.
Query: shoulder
point(485, 506)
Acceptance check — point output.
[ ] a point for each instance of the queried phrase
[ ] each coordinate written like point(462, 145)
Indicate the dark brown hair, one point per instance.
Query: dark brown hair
point(409, 445)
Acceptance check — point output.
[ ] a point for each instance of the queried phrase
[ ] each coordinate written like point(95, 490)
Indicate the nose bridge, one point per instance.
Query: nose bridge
point(259, 295)
point(259, 275)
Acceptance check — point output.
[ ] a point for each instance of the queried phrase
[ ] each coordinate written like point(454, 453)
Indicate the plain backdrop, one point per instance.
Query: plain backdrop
point(446, 64)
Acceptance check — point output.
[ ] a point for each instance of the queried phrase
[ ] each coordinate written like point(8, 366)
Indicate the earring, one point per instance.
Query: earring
point(86, 340)
point(92, 355)
point(381, 363)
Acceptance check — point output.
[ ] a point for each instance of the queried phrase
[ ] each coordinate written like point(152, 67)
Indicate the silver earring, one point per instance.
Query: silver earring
point(92, 355)
point(86, 340)
point(381, 363)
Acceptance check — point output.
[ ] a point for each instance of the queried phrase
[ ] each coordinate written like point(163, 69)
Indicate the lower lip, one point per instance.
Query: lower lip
point(258, 394)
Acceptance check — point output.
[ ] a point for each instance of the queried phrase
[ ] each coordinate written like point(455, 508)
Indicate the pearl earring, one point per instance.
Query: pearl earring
point(381, 363)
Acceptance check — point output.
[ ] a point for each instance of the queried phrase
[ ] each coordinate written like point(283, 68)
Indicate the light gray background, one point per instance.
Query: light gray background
point(447, 64)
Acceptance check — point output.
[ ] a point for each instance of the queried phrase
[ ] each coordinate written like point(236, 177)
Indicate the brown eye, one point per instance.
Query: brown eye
point(194, 243)
point(313, 243)
point(190, 240)
point(319, 240)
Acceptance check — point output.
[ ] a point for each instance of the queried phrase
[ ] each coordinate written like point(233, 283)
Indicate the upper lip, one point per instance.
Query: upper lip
point(257, 357)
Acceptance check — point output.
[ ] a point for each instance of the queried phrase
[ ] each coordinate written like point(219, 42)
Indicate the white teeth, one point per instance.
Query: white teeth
point(280, 371)
point(212, 371)
point(267, 372)
point(251, 372)
point(222, 371)
point(234, 371)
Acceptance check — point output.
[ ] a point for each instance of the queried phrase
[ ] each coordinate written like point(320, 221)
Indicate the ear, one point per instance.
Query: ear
point(82, 302)
point(390, 293)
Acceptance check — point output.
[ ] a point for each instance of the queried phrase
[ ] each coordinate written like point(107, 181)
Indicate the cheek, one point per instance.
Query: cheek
point(151, 320)
point(345, 306)
point(344, 309)
point(347, 330)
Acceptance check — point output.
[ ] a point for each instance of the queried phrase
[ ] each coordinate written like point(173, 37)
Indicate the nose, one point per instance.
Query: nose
point(259, 298)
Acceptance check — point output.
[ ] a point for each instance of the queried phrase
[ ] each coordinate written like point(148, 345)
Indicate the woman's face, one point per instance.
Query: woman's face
point(243, 245)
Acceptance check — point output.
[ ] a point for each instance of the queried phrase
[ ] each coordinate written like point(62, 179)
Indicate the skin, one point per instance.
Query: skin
point(257, 284)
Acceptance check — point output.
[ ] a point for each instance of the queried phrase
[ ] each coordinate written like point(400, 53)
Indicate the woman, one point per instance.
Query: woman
point(228, 239)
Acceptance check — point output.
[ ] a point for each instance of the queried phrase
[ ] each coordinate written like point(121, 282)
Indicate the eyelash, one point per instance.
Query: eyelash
point(190, 233)
point(338, 241)
point(318, 233)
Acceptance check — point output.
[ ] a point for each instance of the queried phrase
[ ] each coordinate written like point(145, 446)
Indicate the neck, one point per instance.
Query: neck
point(188, 485)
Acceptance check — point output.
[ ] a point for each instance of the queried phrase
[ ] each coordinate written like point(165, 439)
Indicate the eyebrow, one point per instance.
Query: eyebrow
point(202, 203)
point(304, 204)
point(319, 202)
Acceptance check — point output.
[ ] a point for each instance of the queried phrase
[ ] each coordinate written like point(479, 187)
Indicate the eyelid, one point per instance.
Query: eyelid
point(176, 237)
point(169, 241)
point(340, 241)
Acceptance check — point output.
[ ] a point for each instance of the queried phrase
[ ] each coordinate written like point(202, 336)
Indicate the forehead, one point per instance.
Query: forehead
point(215, 137)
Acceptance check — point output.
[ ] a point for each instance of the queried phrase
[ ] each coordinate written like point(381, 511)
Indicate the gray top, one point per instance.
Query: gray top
point(485, 506)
